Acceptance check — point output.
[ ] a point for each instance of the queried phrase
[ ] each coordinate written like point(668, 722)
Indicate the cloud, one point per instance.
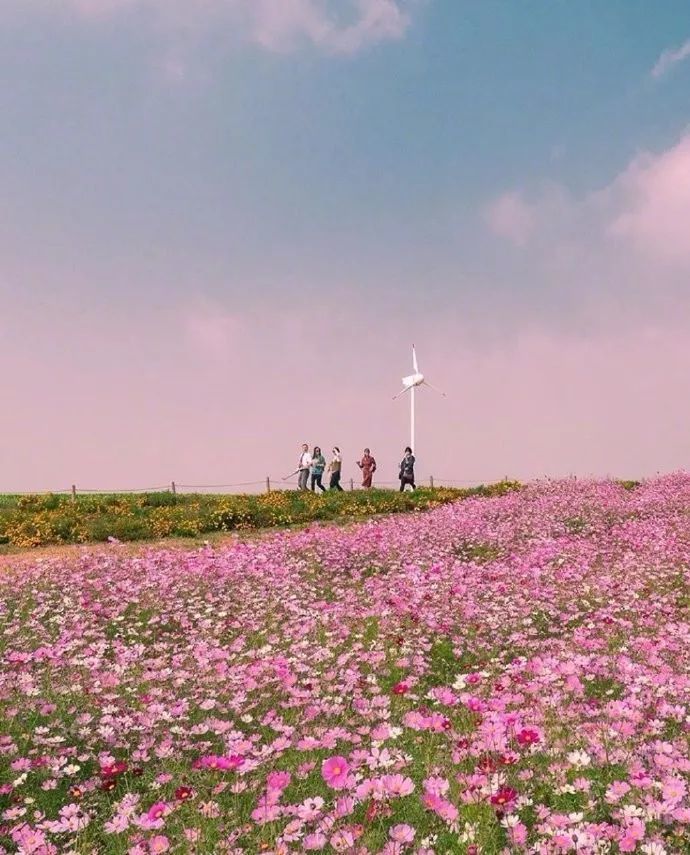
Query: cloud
point(342, 27)
point(669, 58)
point(643, 211)
point(652, 202)
point(510, 217)
point(283, 24)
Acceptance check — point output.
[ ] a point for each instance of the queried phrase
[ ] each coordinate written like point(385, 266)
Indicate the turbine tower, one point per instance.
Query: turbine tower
point(410, 384)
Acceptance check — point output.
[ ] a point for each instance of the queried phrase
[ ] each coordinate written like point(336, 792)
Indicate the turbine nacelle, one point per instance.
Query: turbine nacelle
point(413, 380)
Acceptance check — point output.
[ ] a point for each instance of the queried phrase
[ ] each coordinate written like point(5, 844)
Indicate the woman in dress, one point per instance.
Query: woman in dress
point(318, 464)
point(368, 466)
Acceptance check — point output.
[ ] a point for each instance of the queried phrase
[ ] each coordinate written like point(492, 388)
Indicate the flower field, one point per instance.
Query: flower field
point(496, 675)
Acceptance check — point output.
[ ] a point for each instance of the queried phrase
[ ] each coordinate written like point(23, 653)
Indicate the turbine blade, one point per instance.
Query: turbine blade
point(438, 391)
point(402, 392)
point(414, 360)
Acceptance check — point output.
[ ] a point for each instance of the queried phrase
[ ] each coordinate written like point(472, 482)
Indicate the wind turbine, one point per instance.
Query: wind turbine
point(410, 383)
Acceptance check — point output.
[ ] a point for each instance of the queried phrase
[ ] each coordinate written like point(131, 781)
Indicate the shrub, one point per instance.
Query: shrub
point(158, 500)
point(121, 527)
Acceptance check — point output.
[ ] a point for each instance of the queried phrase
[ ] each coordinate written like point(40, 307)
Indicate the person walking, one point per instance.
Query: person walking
point(335, 468)
point(318, 464)
point(407, 470)
point(368, 466)
point(303, 468)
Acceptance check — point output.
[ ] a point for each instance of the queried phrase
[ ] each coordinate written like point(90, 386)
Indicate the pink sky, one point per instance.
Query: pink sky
point(111, 396)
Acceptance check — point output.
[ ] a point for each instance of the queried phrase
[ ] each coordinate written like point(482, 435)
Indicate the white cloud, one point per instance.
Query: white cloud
point(669, 58)
point(644, 211)
point(652, 204)
point(510, 217)
point(334, 26)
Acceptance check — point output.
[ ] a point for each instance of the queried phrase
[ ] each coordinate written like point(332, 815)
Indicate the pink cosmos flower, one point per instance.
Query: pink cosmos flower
point(632, 835)
point(397, 786)
point(344, 806)
point(293, 831)
point(310, 809)
point(402, 833)
point(278, 780)
point(562, 843)
point(157, 811)
point(314, 842)
point(266, 812)
point(343, 840)
point(518, 834)
point(159, 843)
point(439, 786)
point(335, 772)
point(617, 791)
point(211, 809)
point(432, 801)
point(673, 789)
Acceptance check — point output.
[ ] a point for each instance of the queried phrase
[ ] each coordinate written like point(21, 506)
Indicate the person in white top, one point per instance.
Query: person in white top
point(303, 468)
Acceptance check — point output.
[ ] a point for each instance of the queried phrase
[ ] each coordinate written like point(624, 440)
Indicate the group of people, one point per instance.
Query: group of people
point(312, 466)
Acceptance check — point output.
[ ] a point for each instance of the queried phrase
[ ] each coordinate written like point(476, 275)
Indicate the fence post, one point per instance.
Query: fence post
point(173, 488)
point(431, 481)
point(268, 483)
point(352, 484)
point(74, 493)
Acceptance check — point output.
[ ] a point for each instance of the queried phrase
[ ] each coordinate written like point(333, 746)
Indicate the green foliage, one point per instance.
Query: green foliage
point(443, 663)
point(158, 500)
point(575, 525)
point(477, 553)
point(603, 688)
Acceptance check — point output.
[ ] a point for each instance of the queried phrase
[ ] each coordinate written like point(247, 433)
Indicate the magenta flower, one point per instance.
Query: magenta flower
point(503, 797)
point(157, 811)
point(335, 771)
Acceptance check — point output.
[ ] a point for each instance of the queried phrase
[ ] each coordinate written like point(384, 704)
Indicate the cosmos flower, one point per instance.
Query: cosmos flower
point(335, 771)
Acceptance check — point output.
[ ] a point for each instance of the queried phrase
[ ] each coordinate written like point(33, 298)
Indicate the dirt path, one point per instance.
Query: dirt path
point(66, 551)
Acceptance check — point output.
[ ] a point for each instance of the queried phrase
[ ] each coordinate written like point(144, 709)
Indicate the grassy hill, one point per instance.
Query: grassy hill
point(42, 520)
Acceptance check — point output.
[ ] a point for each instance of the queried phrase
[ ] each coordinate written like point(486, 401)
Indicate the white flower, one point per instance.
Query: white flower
point(579, 759)
point(469, 834)
point(632, 812)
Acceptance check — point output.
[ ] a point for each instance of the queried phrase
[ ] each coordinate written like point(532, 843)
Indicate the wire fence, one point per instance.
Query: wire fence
point(267, 484)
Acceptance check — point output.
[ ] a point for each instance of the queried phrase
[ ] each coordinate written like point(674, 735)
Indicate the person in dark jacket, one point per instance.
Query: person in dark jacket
point(407, 470)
